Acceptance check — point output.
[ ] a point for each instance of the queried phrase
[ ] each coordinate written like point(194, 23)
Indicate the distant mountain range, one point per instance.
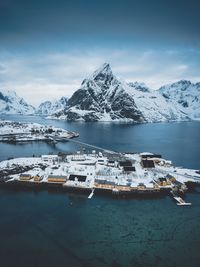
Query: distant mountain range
point(185, 96)
point(11, 103)
point(51, 107)
point(104, 97)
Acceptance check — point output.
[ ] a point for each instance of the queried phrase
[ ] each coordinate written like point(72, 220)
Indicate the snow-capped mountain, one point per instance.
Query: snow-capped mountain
point(139, 86)
point(153, 105)
point(104, 97)
point(101, 97)
point(51, 107)
point(185, 96)
point(11, 103)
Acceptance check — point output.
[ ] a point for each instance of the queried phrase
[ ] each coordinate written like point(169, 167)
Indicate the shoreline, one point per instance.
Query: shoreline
point(59, 188)
point(20, 132)
point(115, 174)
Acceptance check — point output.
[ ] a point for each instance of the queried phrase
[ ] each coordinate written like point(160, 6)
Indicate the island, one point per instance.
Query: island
point(114, 173)
point(12, 132)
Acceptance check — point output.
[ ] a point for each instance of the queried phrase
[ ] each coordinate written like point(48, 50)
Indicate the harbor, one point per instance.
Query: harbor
point(112, 173)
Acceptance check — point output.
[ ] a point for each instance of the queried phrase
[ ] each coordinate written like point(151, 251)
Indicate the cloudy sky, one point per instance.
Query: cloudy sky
point(47, 47)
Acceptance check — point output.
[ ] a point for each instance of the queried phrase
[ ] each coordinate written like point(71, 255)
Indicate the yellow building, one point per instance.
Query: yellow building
point(37, 178)
point(57, 179)
point(25, 177)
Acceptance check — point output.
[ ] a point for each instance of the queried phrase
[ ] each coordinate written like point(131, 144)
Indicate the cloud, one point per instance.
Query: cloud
point(2, 68)
point(39, 77)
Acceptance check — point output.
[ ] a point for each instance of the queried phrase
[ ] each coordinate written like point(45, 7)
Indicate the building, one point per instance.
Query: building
point(25, 177)
point(50, 158)
point(171, 178)
point(78, 157)
point(125, 163)
point(37, 178)
point(148, 163)
point(129, 169)
point(102, 161)
point(141, 186)
point(111, 163)
point(162, 181)
point(57, 179)
point(150, 156)
point(77, 178)
point(104, 184)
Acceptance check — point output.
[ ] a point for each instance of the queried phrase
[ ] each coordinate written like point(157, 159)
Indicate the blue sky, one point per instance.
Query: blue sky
point(47, 47)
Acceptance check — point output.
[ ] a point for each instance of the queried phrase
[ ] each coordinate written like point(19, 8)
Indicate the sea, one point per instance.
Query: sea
point(52, 228)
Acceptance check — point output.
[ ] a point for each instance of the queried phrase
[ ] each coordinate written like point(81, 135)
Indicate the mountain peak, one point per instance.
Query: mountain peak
point(103, 71)
point(183, 82)
point(7, 92)
point(102, 77)
point(139, 86)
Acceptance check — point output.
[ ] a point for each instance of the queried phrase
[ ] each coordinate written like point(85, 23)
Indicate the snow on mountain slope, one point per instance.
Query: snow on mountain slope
point(11, 103)
point(103, 97)
point(153, 105)
point(185, 96)
point(50, 107)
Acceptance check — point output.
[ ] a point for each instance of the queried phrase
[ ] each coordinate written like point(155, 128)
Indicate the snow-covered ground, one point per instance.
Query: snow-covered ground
point(17, 131)
point(100, 172)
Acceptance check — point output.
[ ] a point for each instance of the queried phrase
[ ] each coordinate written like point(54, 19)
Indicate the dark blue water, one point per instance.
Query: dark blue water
point(179, 142)
point(59, 229)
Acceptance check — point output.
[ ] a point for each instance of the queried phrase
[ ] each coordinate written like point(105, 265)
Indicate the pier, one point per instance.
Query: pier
point(181, 202)
point(91, 194)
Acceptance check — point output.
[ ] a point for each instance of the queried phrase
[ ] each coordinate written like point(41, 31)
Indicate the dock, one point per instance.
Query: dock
point(91, 194)
point(181, 202)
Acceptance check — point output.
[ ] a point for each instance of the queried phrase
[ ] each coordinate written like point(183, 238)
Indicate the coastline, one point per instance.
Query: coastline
point(119, 175)
point(14, 132)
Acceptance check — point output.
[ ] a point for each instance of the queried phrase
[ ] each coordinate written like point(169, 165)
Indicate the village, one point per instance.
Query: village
point(16, 132)
point(118, 174)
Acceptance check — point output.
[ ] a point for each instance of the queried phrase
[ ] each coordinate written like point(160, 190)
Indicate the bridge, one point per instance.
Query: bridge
point(93, 146)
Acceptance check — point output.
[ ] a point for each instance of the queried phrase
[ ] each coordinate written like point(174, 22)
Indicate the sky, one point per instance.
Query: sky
point(47, 47)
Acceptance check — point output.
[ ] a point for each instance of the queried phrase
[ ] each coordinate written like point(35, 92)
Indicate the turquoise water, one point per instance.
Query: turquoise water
point(49, 228)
